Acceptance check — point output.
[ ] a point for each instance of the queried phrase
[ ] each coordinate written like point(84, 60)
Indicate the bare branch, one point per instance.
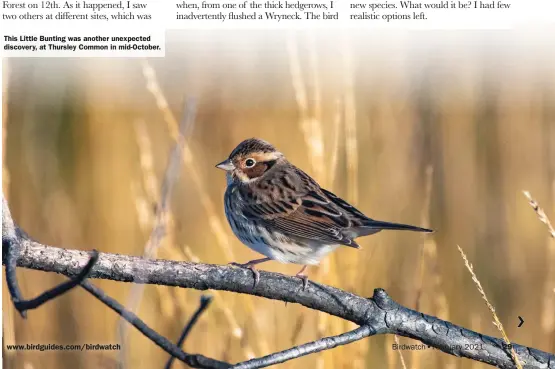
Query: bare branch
point(62, 288)
point(380, 314)
point(308, 348)
point(12, 237)
point(195, 361)
point(204, 302)
point(11, 243)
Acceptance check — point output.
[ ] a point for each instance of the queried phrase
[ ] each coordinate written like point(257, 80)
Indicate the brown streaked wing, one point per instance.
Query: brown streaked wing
point(305, 214)
point(356, 217)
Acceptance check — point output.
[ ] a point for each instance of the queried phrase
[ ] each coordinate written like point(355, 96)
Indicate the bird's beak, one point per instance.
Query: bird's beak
point(226, 165)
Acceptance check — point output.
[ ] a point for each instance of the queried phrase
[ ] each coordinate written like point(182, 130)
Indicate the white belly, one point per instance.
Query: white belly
point(274, 245)
point(285, 250)
point(278, 246)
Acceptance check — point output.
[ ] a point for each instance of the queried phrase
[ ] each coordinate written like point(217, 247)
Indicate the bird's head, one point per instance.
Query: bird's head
point(250, 160)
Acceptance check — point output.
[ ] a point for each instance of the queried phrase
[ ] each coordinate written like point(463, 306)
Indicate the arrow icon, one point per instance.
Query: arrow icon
point(521, 321)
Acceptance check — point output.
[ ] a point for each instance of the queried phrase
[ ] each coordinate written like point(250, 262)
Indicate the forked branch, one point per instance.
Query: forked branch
point(376, 315)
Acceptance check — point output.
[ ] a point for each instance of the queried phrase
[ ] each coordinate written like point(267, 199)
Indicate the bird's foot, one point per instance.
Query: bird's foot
point(303, 277)
point(250, 265)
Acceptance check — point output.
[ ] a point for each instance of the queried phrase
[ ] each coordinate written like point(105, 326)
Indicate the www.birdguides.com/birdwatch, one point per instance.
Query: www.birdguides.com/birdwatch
point(220, 164)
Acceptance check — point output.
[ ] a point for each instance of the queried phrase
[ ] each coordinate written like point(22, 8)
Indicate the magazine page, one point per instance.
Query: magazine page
point(278, 183)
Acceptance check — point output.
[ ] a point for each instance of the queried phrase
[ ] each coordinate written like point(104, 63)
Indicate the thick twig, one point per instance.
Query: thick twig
point(11, 237)
point(204, 302)
point(62, 288)
point(11, 243)
point(308, 348)
point(380, 313)
point(195, 361)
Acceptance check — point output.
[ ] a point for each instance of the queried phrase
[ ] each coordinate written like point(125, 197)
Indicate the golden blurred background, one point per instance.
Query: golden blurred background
point(440, 130)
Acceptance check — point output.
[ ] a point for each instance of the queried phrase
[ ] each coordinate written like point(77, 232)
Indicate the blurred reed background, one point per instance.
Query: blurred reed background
point(434, 130)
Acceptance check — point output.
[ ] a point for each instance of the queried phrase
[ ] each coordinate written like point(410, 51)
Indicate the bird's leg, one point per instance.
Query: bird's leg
point(303, 276)
point(250, 265)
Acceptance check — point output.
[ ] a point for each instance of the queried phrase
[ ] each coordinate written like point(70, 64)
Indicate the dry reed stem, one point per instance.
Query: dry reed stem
point(311, 126)
point(296, 76)
point(390, 354)
point(316, 138)
point(541, 213)
point(5, 96)
point(334, 149)
point(425, 221)
point(8, 326)
point(167, 301)
point(314, 70)
point(351, 141)
point(146, 160)
point(219, 304)
point(429, 257)
point(146, 219)
point(400, 353)
point(214, 220)
point(441, 302)
point(151, 188)
point(496, 321)
point(548, 318)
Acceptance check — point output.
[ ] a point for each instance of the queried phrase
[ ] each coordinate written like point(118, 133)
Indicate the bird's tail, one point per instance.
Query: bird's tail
point(374, 226)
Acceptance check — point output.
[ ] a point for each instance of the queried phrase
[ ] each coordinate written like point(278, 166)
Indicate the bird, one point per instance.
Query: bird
point(281, 212)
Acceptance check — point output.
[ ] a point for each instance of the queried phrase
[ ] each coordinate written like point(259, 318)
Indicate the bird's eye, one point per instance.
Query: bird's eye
point(249, 163)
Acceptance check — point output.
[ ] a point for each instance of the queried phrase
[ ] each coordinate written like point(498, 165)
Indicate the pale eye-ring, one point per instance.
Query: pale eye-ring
point(249, 163)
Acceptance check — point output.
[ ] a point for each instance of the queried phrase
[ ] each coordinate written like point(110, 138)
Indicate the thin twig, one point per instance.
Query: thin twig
point(10, 241)
point(308, 348)
point(496, 322)
point(60, 289)
point(13, 236)
point(159, 229)
point(217, 227)
point(195, 361)
point(380, 313)
point(11, 276)
point(204, 302)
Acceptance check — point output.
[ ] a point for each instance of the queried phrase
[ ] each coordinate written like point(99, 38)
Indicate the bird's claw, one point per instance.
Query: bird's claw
point(254, 271)
point(304, 278)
